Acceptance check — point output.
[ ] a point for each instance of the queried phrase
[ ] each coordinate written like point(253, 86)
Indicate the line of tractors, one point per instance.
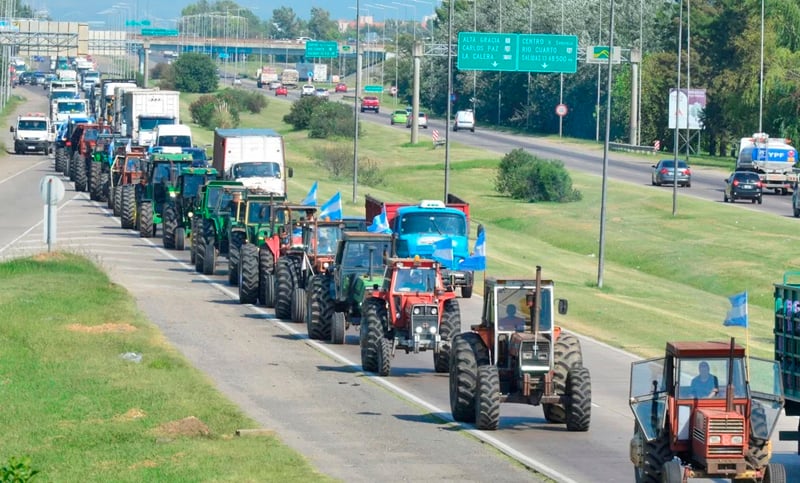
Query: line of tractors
point(334, 275)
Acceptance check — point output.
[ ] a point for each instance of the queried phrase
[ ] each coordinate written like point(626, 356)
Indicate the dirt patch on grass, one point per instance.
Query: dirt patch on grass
point(190, 426)
point(130, 415)
point(102, 328)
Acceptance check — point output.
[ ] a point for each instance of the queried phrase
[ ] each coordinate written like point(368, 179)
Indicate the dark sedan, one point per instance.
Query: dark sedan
point(664, 173)
point(743, 185)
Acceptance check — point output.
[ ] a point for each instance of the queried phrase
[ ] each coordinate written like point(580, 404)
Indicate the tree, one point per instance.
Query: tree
point(320, 25)
point(286, 23)
point(195, 72)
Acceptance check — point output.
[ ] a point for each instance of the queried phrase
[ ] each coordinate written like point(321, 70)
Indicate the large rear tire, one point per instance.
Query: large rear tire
point(313, 305)
point(487, 404)
point(656, 453)
point(61, 160)
point(81, 176)
point(266, 264)
point(567, 354)
point(127, 216)
point(372, 333)
point(299, 305)
point(248, 274)
point(94, 180)
point(147, 227)
point(338, 325)
point(170, 218)
point(672, 472)
point(579, 406)
point(209, 250)
point(285, 283)
point(116, 200)
point(448, 328)
point(467, 353)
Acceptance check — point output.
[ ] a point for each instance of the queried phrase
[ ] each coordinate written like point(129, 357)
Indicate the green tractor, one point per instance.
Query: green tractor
point(337, 293)
point(162, 174)
point(211, 223)
point(100, 161)
point(181, 204)
point(254, 241)
point(301, 261)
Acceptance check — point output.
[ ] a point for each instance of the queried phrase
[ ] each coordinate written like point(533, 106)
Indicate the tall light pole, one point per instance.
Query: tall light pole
point(449, 98)
point(604, 189)
point(677, 109)
point(407, 5)
point(355, 101)
point(761, 76)
point(382, 8)
point(396, 50)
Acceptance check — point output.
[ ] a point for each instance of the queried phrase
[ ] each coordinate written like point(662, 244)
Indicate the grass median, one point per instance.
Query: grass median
point(91, 391)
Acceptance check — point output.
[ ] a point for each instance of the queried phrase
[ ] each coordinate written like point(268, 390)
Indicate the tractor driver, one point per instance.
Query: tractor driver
point(705, 384)
point(511, 321)
point(411, 281)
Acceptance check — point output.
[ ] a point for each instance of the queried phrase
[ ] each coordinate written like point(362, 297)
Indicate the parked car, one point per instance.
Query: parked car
point(322, 92)
point(341, 87)
point(371, 103)
point(422, 120)
point(399, 116)
point(307, 90)
point(274, 85)
point(464, 120)
point(663, 173)
point(743, 185)
point(281, 91)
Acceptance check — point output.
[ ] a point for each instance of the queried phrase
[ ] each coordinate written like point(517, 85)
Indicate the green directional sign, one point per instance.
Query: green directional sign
point(487, 51)
point(159, 33)
point(322, 50)
point(137, 23)
point(548, 53)
point(373, 88)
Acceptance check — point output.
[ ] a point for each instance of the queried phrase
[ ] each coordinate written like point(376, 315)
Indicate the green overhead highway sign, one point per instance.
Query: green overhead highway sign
point(159, 33)
point(373, 88)
point(137, 23)
point(517, 52)
point(548, 53)
point(321, 50)
point(487, 51)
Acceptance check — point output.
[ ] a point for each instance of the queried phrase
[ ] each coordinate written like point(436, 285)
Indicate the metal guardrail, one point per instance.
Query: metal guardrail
point(632, 148)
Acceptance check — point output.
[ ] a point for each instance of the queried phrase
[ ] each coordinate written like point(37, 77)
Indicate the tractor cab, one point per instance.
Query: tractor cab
point(708, 405)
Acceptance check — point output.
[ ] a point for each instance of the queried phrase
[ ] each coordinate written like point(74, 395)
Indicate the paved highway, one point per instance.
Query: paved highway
point(349, 424)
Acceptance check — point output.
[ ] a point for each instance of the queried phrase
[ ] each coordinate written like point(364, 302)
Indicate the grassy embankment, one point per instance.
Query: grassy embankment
point(664, 277)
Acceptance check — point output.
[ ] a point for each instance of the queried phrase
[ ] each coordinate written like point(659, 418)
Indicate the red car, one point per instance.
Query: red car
point(282, 91)
point(341, 87)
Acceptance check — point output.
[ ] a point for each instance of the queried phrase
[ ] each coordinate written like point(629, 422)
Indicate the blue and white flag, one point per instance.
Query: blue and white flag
point(477, 261)
point(311, 197)
point(737, 315)
point(332, 209)
point(443, 251)
point(380, 224)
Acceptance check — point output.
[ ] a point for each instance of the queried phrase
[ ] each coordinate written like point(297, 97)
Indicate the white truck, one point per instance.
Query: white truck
point(33, 132)
point(145, 109)
point(265, 75)
point(319, 72)
point(290, 78)
point(773, 159)
point(256, 157)
point(62, 109)
point(106, 107)
point(173, 137)
point(117, 107)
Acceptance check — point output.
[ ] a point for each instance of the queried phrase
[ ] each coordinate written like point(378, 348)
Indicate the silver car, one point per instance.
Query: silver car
point(663, 173)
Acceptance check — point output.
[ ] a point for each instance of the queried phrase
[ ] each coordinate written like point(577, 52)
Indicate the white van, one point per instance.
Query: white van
point(175, 136)
point(464, 120)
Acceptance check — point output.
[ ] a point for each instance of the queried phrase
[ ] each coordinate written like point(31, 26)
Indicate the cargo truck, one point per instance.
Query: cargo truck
point(319, 72)
point(143, 110)
point(787, 347)
point(772, 158)
point(255, 157)
point(265, 75)
point(416, 228)
point(290, 78)
point(106, 101)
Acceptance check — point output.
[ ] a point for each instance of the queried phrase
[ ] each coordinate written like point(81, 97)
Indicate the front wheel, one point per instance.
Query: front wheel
point(299, 305)
point(180, 238)
point(372, 335)
point(579, 405)
point(146, 226)
point(487, 398)
point(338, 324)
point(248, 274)
point(466, 291)
point(467, 352)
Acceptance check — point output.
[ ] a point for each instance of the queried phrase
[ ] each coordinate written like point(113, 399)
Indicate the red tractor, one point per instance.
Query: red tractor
point(413, 312)
point(705, 410)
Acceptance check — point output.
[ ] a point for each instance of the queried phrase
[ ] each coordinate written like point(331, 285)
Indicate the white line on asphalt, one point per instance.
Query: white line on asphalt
point(24, 171)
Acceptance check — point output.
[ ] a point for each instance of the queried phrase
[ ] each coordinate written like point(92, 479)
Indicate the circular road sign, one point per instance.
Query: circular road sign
point(51, 189)
point(561, 110)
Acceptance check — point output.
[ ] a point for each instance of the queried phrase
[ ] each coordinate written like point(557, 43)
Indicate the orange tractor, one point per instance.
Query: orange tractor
point(412, 312)
point(705, 410)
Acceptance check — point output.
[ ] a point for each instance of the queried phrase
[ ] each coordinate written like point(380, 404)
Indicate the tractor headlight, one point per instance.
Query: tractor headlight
point(433, 330)
point(736, 439)
point(418, 330)
point(717, 439)
point(416, 311)
point(527, 356)
point(325, 265)
point(190, 215)
point(172, 194)
point(434, 311)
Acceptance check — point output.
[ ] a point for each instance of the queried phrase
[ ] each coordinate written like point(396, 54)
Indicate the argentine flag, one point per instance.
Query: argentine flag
point(478, 259)
point(737, 315)
point(311, 197)
point(332, 209)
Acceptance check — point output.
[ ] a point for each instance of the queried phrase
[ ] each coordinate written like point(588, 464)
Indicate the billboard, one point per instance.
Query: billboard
point(686, 106)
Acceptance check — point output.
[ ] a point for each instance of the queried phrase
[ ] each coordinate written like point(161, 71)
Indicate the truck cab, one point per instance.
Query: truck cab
point(175, 136)
point(33, 132)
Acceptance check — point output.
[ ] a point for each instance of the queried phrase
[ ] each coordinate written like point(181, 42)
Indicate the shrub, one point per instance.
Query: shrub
point(160, 71)
point(300, 114)
point(338, 161)
point(331, 119)
point(202, 110)
point(526, 177)
point(195, 72)
point(17, 470)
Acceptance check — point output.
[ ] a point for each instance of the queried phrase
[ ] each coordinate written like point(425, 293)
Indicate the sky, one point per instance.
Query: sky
point(99, 12)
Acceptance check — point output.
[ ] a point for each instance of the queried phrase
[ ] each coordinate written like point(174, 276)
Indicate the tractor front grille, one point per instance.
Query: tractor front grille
point(735, 426)
point(732, 451)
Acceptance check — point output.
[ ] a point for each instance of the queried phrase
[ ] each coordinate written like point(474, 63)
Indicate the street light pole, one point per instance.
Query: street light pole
point(601, 249)
point(449, 98)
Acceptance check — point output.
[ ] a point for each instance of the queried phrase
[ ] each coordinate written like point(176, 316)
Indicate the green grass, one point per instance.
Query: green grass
point(84, 414)
point(664, 277)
